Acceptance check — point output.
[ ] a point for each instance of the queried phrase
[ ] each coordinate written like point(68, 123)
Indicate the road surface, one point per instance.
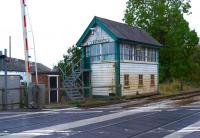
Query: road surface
point(160, 119)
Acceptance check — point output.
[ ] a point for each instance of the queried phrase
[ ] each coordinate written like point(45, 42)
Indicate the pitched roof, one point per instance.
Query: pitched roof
point(121, 31)
point(18, 65)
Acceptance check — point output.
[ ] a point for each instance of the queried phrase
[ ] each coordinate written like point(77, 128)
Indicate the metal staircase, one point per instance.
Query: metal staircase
point(73, 83)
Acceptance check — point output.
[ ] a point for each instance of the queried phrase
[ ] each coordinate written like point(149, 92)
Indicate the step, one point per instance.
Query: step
point(78, 99)
point(74, 95)
point(68, 86)
point(73, 92)
point(69, 80)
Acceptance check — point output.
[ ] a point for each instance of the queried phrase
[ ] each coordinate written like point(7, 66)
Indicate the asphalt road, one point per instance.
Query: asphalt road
point(156, 120)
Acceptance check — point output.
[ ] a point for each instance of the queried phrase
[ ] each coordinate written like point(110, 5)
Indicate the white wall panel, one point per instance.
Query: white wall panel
point(98, 34)
point(102, 78)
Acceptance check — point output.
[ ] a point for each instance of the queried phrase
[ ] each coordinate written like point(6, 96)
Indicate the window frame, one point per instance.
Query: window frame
point(151, 55)
point(127, 56)
point(128, 53)
point(140, 81)
point(140, 54)
point(109, 53)
point(152, 80)
point(126, 81)
point(97, 54)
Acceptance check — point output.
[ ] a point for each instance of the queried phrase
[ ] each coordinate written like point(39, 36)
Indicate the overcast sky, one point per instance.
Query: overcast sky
point(58, 24)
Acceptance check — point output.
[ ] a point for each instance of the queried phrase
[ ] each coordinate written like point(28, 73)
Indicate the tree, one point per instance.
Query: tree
point(164, 20)
point(72, 56)
point(195, 74)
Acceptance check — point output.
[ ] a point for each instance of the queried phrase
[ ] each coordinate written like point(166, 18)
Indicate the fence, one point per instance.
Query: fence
point(11, 98)
point(11, 92)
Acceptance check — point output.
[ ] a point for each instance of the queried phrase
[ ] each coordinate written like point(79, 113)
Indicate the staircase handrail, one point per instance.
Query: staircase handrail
point(72, 66)
point(69, 63)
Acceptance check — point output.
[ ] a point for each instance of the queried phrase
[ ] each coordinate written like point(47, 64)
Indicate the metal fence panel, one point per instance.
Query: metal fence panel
point(13, 91)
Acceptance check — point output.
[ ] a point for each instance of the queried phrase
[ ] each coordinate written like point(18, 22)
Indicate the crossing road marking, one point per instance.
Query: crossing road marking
point(84, 122)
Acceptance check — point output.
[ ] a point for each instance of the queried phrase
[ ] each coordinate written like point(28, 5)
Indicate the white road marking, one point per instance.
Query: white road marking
point(42, 133)
point(106, 108)
point(139, 110)
point(194, 109)
point(84, 122)
point(5, 113)
point(83, 112)
point(72, 108)
point(192, 105)
point(116, 111)
point(185, 131)
point(170, 110)
point(190, 129)
point(35, 113)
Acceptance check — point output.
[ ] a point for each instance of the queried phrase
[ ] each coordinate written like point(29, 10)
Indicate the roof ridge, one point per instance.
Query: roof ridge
point(121, 31)
point(24, 60)
point(122, 23)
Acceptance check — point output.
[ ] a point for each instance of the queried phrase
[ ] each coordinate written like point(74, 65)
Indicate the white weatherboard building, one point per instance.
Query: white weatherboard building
point(122, 60)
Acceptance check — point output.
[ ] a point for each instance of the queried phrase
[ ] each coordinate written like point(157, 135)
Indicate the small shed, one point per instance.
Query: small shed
point(16, 66)
point(123, 60)
point(52, 83)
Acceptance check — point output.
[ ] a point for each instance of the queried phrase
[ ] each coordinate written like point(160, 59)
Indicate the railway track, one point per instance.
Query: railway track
point(151, 98)
point(157, 98)
point(183, 117)
point(165, 125)
point(181, 95)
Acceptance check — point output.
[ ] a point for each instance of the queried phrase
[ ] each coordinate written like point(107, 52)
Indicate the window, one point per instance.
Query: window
point(104, 51)
point(151, 55)
point(139, 54)
point(87, 51)
point(140, 81)
point(95, 53)
point(152, 80)
point(126, 52)
point(126, 80)
point(108, 50)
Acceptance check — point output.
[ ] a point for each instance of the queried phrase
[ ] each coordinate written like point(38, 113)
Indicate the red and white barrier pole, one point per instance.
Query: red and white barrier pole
point(26, 49)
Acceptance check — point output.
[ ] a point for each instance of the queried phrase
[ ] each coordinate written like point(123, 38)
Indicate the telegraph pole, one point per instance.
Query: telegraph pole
point(3, 59)
point(6, 79)
point(10, 47)
point(26, 49)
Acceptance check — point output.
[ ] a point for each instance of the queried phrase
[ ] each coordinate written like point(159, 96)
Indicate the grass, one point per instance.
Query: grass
point(96, 102)
point(58, 105)
point(168, 89)
point(173, 88)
